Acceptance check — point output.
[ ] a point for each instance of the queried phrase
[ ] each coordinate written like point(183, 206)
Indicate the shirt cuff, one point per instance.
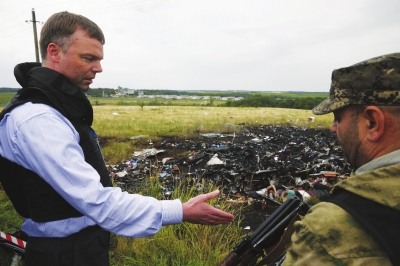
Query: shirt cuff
point(172, 212)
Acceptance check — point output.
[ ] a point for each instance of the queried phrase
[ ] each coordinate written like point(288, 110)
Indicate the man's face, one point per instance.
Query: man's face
point(81, 62)
point(345, 125)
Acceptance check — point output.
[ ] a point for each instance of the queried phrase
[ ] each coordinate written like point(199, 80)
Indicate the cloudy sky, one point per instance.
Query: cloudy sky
point(255, 45)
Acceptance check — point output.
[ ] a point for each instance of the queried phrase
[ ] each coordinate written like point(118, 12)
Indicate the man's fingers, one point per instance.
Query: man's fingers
point(197, 210)
point(216, 219)
point(208, 196)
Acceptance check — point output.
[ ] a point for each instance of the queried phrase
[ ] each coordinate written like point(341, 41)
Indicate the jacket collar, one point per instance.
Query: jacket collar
point(57, 87)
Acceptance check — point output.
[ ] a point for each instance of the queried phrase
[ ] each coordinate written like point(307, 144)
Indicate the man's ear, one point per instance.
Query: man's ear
point(53, 52)
point(374, 122)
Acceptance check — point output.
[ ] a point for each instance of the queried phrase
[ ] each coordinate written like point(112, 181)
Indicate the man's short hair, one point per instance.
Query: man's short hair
point(375, 81)
point(60, 26)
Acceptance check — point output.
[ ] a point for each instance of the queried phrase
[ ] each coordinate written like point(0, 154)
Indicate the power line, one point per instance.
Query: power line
point(91, 12)
point(13, 33)
point(13, 17)
point(120, 5)
point(108, 8)
point(57, 4)
point(12, 27)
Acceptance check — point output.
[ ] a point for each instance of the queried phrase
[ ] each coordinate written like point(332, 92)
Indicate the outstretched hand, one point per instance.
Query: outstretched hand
point(197, 211)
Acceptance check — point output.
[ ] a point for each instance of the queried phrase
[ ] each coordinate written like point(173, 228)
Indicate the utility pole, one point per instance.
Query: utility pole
point(35, 34)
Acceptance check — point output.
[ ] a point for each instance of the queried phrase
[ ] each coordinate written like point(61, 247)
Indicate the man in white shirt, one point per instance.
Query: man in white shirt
point(52, 167)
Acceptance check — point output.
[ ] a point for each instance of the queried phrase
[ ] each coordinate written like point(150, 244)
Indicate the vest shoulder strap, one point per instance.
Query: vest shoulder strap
point(379, 220)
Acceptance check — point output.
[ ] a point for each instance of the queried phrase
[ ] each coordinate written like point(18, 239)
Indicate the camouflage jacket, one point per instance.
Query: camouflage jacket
point(328, 235)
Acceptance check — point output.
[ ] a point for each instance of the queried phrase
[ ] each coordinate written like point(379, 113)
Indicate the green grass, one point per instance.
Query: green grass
point(10, 221)
point(183, 244)
point(5, 97)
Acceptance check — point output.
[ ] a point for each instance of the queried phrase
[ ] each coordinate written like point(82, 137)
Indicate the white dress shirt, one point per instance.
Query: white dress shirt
point(39, 138)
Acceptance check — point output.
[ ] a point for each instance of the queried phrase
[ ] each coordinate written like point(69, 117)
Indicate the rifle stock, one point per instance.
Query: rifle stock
point(249, 257)
point(250, 248)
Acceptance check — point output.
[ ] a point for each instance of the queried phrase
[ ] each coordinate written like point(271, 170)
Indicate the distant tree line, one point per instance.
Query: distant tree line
point(99, 92)
point(6, 89)
point(198, 93)
point(307, 92)
point(305, 103)
point(293, 100)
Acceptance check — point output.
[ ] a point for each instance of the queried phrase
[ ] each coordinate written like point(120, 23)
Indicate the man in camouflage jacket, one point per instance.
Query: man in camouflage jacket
point(365, 101)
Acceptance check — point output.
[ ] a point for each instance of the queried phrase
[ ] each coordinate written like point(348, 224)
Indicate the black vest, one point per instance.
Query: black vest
point(31, 196)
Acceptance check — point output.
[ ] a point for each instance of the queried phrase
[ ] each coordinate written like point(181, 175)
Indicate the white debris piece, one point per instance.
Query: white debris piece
point(211, 135)
point(147, 152)
point(121, 174)
point(215, 160)
point(305, 195)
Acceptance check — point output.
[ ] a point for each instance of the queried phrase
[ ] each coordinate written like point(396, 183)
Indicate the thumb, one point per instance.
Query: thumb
point(208, 196)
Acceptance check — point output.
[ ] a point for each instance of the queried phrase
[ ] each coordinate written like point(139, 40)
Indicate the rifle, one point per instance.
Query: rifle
point(266, 236)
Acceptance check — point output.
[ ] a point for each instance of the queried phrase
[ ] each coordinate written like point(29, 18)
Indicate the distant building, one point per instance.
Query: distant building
point(124, 91)
point(129, 91)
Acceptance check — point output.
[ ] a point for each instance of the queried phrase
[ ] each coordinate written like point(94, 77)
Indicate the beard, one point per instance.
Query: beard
point(351, 145)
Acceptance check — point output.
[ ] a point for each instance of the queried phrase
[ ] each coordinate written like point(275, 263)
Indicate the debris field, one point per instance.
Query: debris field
point(246, 160)
point(239, 162)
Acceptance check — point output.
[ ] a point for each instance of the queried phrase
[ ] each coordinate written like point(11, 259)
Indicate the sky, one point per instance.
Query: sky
point(251, 45)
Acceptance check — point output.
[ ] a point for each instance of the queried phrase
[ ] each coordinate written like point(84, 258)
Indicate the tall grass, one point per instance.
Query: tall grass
point(5, 97)
point(10, 221)
point(183, 244)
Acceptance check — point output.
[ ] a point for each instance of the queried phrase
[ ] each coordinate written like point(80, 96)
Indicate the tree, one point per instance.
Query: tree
point(141, 104)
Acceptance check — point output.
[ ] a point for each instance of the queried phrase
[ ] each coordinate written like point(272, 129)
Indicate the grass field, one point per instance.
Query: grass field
point(5, 97)
point(120, 123)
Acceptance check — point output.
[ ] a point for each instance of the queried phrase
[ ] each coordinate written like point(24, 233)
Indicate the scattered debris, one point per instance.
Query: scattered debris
point(246, 160)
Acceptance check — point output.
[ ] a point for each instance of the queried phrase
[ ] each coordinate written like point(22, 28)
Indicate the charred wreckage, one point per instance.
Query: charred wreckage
point(250, 159)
